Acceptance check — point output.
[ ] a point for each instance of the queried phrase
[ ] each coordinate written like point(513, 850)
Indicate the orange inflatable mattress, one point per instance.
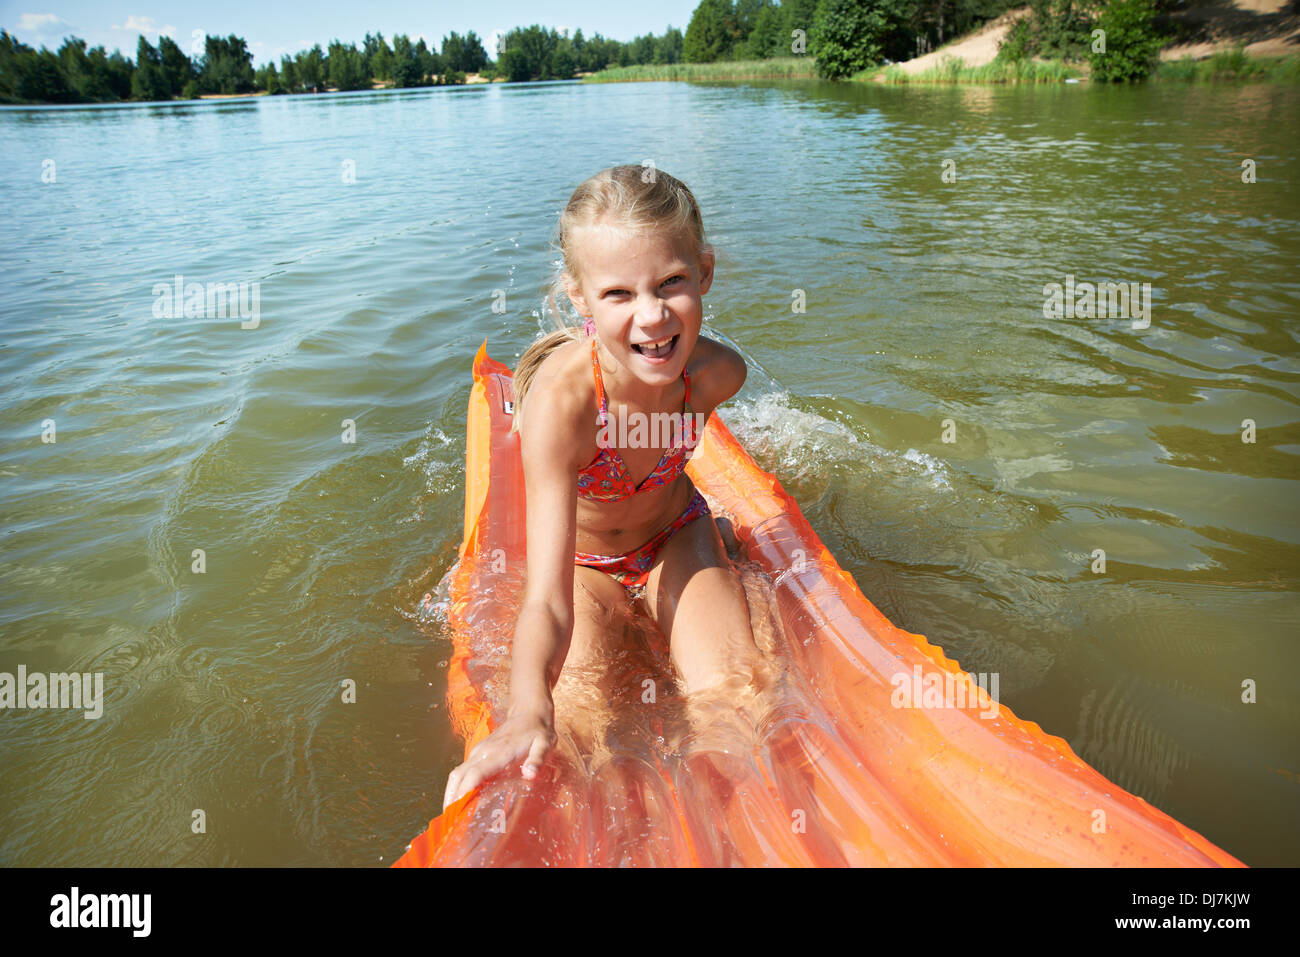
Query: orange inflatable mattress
point(898, 758)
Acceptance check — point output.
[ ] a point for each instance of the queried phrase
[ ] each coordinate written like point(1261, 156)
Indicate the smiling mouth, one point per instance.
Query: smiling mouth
point(660, 349)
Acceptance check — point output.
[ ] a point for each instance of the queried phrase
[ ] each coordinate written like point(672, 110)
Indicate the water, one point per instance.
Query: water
point(924, 304)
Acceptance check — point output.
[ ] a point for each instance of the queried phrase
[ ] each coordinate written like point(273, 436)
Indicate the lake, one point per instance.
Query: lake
point(1098, 506)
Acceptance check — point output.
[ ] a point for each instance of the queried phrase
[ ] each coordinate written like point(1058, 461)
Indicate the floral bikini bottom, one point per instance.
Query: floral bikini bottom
point(632, 569)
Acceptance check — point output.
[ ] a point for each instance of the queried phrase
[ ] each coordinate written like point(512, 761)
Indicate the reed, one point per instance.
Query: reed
point(794, 66)
point(952, 69)
point(1231, 65)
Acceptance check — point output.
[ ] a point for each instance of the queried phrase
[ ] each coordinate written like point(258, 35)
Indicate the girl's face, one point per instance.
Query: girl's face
point(642, 289)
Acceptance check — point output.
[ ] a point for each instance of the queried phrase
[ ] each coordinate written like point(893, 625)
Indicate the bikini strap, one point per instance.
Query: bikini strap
point(686, 412)
point(600, 385)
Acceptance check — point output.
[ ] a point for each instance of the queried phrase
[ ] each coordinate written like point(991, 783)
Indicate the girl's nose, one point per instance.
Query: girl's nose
point(652, 311)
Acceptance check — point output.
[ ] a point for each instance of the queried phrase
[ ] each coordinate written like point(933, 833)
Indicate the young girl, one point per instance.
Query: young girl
point(612, 516)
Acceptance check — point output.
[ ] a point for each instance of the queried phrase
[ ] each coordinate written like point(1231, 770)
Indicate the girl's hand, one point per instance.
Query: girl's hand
point(528, 735)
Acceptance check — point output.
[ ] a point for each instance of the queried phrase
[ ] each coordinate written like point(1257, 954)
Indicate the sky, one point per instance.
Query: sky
point(275, 27)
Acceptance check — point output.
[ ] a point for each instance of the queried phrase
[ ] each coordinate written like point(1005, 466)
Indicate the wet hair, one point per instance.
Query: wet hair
point(628, 197)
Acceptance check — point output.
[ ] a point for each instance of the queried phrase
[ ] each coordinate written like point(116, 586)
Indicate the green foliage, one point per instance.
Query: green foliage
point(268, 79)
point(310, 64)
point(668, 48)
point(796, 15)
point(541, 53)
point(1062, 28)
point(1132, 46)
point(789, 66)
point(1231, 65)
point(149, 82)
point(463, 54)
point(1014, 47)
point(346, 67)
point(952, 70)
point(767, 38)
point(227, 66)
point(712, 33)
point(176, 66)
point(563, 65)
point(847, 36)
point(289, 74)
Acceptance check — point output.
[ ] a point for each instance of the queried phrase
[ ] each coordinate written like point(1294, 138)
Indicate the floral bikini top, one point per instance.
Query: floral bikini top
point(607, 478)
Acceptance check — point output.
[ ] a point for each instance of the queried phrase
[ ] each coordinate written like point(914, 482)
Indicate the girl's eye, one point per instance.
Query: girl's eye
point(624, 292)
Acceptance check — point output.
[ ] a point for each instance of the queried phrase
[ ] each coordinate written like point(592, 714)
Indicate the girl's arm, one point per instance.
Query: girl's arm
point(545, 625)
point(552, 451)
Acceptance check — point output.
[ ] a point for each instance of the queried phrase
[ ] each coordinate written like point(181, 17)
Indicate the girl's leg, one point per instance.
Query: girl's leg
point(606, 663)
point(699, 603)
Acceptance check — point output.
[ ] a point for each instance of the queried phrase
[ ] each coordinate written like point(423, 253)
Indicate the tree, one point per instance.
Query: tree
point(475, 56)
point(528, 52)
point(1132, 46)
point(227, 66)
point(149, 81)
point(642, 49)
point(288, 74)
point(407, 69)
point(381, 61)
point(1062, 28)
point(346, 68)
point(268, 79)
point(668, 48)
point(40, 78)
point(563, 64)
point(310, 66)
point(514, 66)
point(711, 34)
point(747, 12)
point(176, 66)
point(766, 39)
point(431, 64)
point(847, 36)
point(796, 15)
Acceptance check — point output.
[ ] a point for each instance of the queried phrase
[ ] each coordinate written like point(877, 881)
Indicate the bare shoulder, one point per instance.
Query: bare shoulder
point(717, 372)
point(560, 409)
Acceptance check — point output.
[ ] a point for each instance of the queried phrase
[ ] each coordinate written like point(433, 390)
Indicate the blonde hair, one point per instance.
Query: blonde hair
point(632, 197)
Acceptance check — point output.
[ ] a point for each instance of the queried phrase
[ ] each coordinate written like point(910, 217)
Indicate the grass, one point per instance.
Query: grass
point(952, 69)
point(1230, 65)
point(1227, 65)
point(792, 66)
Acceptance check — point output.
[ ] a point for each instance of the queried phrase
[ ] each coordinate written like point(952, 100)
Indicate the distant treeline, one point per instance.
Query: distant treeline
point(77, 75)
point(841, 36)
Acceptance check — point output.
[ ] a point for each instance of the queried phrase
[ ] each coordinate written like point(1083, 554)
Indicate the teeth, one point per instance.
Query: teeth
point(654, 347)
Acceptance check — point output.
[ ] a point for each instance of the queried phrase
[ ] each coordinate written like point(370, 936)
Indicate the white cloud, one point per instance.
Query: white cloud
point(37, 22)
point(138, 24)
point(146, 26)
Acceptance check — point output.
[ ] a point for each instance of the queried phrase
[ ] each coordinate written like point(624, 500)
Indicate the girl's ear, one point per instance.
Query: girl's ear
point(574, 292)
point(706, 269)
